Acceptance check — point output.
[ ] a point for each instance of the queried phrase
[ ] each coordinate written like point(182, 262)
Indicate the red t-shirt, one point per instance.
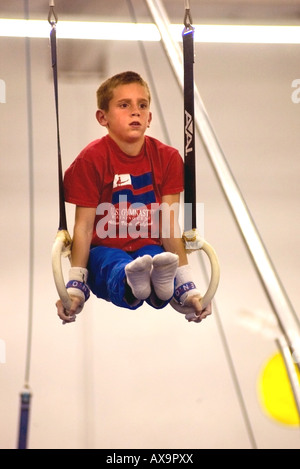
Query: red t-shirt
point(125, 190)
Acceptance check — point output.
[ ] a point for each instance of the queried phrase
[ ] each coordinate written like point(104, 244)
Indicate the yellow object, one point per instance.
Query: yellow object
point(276, 394)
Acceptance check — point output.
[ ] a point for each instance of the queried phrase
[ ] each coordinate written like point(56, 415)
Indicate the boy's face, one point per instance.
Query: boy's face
point(128, 115)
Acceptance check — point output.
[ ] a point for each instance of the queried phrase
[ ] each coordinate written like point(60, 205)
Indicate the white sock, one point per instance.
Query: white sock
point(163, 274)
point(138, 276)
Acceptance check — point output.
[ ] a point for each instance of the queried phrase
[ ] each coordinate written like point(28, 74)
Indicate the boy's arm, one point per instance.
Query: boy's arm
point(172, 241)
point(82, 237)
point(170, 232)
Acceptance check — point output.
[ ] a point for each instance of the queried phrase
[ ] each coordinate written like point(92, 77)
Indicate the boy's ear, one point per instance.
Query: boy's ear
point(149, 119)
point(101, 117)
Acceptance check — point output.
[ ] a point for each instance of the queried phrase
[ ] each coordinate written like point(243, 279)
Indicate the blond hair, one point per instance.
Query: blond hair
point(105, 91)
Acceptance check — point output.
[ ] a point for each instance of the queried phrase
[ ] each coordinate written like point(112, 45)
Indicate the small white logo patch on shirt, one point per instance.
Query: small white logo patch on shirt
point(121, 180)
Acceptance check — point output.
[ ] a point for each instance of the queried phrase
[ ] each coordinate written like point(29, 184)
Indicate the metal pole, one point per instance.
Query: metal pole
point(286, 316)
point(291, 371)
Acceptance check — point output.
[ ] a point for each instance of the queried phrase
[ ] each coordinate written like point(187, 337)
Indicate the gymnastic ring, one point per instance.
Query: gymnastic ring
point(213, 284)
point(61, 248)
point(215, 274)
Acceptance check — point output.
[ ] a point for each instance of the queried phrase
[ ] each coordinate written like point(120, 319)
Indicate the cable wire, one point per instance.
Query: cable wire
point(150, 77)
point(230, 363)
point(26, 392)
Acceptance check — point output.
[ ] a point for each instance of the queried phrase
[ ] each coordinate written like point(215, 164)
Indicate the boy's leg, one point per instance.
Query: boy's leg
point(163, 273)
point(138, 276)
point(107, 278)
point(109, 267)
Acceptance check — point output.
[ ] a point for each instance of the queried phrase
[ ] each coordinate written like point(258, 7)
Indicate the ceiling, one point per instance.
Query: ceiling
point(201, 10)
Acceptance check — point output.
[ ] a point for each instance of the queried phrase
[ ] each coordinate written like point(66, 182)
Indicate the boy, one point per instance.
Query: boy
point(122, 184)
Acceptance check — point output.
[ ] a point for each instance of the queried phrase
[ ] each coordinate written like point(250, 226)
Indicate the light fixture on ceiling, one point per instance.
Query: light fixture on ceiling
point(240, 34)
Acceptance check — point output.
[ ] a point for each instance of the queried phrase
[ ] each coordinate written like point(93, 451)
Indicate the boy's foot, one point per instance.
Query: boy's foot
point(138, 276)
point(163, 274)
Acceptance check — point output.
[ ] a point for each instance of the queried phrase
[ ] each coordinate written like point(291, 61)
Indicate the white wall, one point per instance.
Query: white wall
point(148, 379)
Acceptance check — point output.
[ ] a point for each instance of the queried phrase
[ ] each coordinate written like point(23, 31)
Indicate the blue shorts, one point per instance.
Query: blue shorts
point(106, 268)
